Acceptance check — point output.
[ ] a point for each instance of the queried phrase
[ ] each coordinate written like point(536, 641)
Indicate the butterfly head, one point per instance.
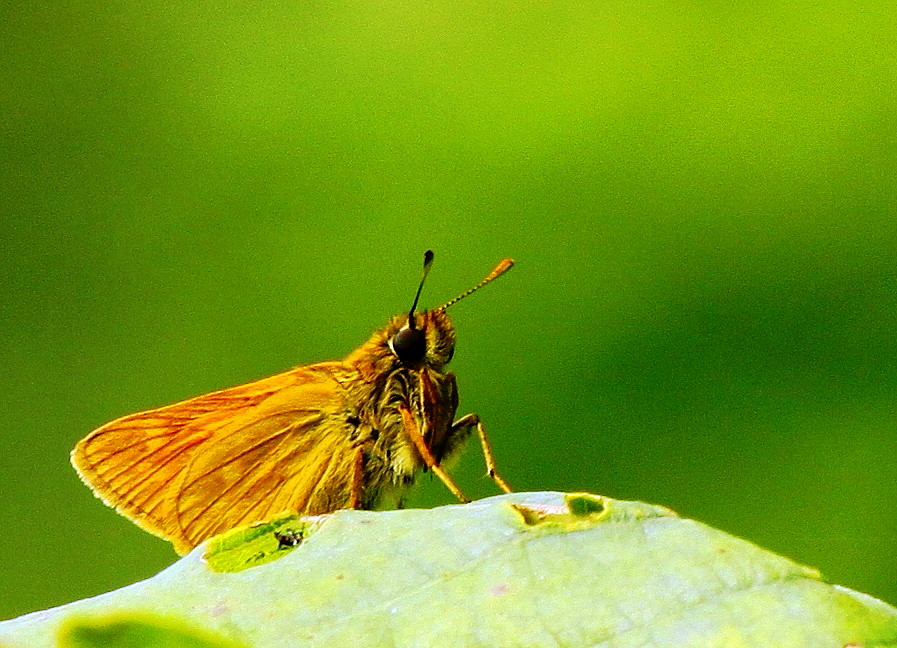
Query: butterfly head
point(429, 338)
point(422, 339)
point(419, 340)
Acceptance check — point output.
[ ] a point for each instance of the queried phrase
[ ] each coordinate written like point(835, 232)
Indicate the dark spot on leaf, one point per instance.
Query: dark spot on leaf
point(288, 538)
point(584, 504)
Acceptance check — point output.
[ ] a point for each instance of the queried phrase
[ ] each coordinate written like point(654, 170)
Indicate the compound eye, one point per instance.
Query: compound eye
point(410, 345)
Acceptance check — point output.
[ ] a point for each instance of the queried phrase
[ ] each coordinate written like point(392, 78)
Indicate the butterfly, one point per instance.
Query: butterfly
point(352, 434)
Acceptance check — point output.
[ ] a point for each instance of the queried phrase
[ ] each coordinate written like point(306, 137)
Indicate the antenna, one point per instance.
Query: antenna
point(428, 262)
point(500, 269)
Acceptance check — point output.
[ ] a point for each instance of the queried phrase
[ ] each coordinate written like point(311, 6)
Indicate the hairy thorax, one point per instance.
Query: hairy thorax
point(378, 386)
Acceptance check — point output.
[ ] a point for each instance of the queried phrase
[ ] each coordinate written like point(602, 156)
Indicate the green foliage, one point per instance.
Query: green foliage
point(134, 631)
point(259, 544)
point(201, 194)
point(537, 569)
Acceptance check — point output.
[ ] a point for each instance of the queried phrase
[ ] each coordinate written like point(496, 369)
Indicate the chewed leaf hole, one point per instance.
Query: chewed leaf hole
point(584, 504)
point(581, 511)
point(259, 544)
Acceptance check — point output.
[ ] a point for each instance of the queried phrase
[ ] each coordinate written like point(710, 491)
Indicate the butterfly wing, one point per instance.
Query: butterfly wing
point(233, 457)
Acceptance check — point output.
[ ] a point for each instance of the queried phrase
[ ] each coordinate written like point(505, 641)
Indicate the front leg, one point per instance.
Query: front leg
point(429, 460)
point(460, 430)
point(357, 482)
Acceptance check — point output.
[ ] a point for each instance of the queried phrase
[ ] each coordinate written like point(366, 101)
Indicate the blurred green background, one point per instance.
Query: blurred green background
point(701, 201)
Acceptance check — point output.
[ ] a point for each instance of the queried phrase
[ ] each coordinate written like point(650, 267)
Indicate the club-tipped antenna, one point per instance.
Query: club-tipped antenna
point(428, 262)
point(500, 269)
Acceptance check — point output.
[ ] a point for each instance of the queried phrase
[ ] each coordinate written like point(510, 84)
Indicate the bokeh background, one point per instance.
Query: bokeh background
point(701, 200)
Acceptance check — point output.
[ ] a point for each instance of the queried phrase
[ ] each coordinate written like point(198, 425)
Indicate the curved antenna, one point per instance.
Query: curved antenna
point(428, 261)
point(500, 269)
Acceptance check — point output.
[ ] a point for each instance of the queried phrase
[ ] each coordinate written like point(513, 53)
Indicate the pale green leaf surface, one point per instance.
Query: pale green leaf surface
point(529, 569)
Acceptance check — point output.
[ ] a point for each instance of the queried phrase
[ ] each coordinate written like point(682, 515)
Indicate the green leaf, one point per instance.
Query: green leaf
point(257, 545)
point(133, 631)
point(529, 569)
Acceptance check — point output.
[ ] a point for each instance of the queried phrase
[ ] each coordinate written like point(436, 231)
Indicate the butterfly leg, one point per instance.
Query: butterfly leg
point(421, 446)
point(472, 420)
point(357, 478)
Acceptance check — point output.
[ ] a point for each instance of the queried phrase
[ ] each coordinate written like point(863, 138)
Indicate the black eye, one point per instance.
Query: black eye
point(410, 345)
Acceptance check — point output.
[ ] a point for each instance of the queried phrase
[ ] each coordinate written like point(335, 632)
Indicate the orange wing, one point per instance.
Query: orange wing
point(230, 458)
